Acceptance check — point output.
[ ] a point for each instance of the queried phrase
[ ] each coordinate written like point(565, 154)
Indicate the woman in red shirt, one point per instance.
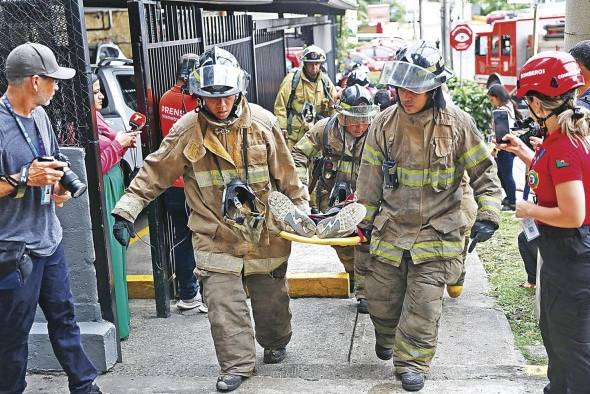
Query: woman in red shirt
point(560, 178)
point(113, 146)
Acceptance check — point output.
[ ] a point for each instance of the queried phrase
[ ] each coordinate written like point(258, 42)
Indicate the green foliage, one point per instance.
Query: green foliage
point(472, 98)
point(506, 273)
point(488, 6)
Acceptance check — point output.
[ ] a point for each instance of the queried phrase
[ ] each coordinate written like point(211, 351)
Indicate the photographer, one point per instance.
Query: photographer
point(548, 82)
point(29, 192)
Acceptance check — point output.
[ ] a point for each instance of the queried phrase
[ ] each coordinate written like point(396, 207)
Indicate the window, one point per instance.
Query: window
point(481, 46)
point(127, 85)
point(495, 46)
point(506, 45)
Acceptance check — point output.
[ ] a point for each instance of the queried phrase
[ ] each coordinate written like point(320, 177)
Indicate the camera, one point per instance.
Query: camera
point(525, 129)
point(70, 181)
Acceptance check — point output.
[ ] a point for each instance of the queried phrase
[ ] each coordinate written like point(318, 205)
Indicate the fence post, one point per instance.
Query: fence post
point(252, 26)
point(145, 104)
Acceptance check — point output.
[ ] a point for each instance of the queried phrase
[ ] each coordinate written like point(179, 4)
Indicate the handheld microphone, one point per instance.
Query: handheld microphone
point(137, 121)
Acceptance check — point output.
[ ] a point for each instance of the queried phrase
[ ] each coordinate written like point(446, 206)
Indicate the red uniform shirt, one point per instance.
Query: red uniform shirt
point(173, 105)
point(557, 161)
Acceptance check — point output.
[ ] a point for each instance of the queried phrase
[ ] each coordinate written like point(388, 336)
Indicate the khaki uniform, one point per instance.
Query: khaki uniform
point(222, 253)
point(306, 91)
point(346, 159)
point(418, 228)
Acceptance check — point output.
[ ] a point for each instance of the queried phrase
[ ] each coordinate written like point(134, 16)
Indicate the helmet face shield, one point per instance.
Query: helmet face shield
point(355, 115)
point(218, 81)
point(410, 77)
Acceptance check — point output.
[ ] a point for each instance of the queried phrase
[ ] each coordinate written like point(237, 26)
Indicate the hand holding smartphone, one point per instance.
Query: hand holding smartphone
point(500, 124)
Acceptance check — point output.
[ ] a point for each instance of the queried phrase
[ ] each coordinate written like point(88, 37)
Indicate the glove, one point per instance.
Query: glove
point(123, 230)
point(366, 234)
point(481, 231)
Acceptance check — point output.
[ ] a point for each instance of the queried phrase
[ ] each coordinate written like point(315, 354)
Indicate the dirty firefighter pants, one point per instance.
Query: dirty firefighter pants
point(229, 316)
point(405, 304)
point(347, 256)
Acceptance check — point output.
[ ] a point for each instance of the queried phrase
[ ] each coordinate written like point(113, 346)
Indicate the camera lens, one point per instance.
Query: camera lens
point(72, 183)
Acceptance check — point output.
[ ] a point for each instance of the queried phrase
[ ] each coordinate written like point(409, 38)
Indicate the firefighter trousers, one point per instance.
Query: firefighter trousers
point(229, 316)
point(347, 256)
point(405, 304)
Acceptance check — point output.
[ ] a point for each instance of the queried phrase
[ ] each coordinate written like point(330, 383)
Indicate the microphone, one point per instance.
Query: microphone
point(137, 121)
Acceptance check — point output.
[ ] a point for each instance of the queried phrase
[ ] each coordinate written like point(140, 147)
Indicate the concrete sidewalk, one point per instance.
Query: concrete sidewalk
point(331, 350)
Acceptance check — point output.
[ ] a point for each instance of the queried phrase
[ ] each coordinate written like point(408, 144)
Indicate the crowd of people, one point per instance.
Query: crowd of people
point(401, 168)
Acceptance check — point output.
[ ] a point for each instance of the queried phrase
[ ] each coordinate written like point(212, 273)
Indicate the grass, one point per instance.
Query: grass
point(505, 268)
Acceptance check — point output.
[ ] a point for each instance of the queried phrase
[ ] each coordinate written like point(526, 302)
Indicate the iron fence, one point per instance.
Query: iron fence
point(269, 49)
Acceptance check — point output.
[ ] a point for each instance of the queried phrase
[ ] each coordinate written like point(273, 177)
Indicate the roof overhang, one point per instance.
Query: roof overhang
point(304, 7)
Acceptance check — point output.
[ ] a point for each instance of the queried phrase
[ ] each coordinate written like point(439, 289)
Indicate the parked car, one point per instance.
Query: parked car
point(378, 52)
point(293, 57)
point(117, 82)
point(499, 15)
point(108, 50)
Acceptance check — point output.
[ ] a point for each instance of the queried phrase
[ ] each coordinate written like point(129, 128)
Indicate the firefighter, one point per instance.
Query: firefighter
point(413, 162)
point(333, 147)
point(231, 154)
point(305, 96)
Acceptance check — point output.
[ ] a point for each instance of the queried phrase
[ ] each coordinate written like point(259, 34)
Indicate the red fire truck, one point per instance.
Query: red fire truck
point(501, 52)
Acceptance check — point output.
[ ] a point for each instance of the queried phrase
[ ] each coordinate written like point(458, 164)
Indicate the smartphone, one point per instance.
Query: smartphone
point(500, 124)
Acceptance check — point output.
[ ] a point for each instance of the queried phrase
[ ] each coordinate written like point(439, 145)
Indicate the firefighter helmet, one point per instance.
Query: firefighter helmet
point(550, 73)
point(419, 68)
point(313, 54)
point(356, 106)
point(218, 74)
point(357, 77)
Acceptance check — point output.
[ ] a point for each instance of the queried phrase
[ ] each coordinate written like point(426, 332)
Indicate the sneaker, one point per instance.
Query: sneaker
point(227, 383)
point(363, 306)
point(343, 223)
point(508, 207)
point(94, 389)
point(192, 303)
point(274, 356)
point(285, 211)
point(412, 381)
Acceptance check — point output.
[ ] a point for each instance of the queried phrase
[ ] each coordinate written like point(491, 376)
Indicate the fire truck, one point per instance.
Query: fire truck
point(501, 52)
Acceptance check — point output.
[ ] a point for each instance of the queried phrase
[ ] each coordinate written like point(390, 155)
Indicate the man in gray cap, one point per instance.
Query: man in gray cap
point(33, 269)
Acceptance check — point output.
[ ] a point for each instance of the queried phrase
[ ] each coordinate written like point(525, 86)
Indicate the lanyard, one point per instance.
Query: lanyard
point(538, 156)
point(24, 131)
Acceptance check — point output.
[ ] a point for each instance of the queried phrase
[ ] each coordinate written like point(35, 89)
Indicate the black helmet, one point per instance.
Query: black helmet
point(357, 77)
point(382, 99)
point(356, 106)
point(218, 74)
point(185, 65)
point(419, 68)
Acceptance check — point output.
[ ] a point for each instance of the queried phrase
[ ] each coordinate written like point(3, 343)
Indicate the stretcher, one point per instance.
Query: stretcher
point(315, 240)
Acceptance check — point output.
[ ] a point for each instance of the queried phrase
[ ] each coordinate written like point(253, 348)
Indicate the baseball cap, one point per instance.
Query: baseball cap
point(35, 59)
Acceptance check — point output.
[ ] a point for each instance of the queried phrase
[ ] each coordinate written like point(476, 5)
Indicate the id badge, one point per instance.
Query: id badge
point(531, 231)
point(46, 192)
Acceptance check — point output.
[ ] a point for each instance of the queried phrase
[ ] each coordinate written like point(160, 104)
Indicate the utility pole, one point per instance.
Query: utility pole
point(577, 28)
point(445, 14)
point(420, 15)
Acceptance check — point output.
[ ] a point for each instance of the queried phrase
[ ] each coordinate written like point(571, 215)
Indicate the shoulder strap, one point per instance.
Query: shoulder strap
point(326, 148)
point(294, 83)
point(326, 85)
point(245, 153)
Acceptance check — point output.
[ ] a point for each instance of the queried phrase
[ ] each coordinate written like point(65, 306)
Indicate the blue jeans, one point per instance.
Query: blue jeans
point(184, 255)
point(49, 286)
point(505, 161)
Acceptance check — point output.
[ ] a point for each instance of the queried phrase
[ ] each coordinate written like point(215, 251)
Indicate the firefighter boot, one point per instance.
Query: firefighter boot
point(363, 306)
point(412, 381)
point(274, 356)
point(383, 353)
point(229, 382)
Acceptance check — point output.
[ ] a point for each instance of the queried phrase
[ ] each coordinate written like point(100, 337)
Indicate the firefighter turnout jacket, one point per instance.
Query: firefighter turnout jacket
point(422, 213)
point(194, 148)
point(329, 155)
point(295, 92)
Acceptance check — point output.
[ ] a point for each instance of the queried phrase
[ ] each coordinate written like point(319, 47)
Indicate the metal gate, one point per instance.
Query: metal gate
point(59, 24)
point(269, 48)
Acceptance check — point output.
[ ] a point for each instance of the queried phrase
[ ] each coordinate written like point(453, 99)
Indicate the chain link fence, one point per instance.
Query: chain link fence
point(56, 24)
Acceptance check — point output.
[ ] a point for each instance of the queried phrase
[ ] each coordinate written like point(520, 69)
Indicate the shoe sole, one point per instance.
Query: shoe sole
point(384, 357)
point(413, 387)
point(284, 210)
point(185, 307)
point(343, 223)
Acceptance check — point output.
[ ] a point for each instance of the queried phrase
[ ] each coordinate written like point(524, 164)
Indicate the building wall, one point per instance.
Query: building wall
point(118, 32)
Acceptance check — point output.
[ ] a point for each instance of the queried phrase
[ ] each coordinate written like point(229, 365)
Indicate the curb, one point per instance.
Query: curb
point(538, 371)
point(320, 285)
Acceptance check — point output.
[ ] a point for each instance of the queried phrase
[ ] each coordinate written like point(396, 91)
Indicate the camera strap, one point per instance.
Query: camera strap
point(36, 152)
